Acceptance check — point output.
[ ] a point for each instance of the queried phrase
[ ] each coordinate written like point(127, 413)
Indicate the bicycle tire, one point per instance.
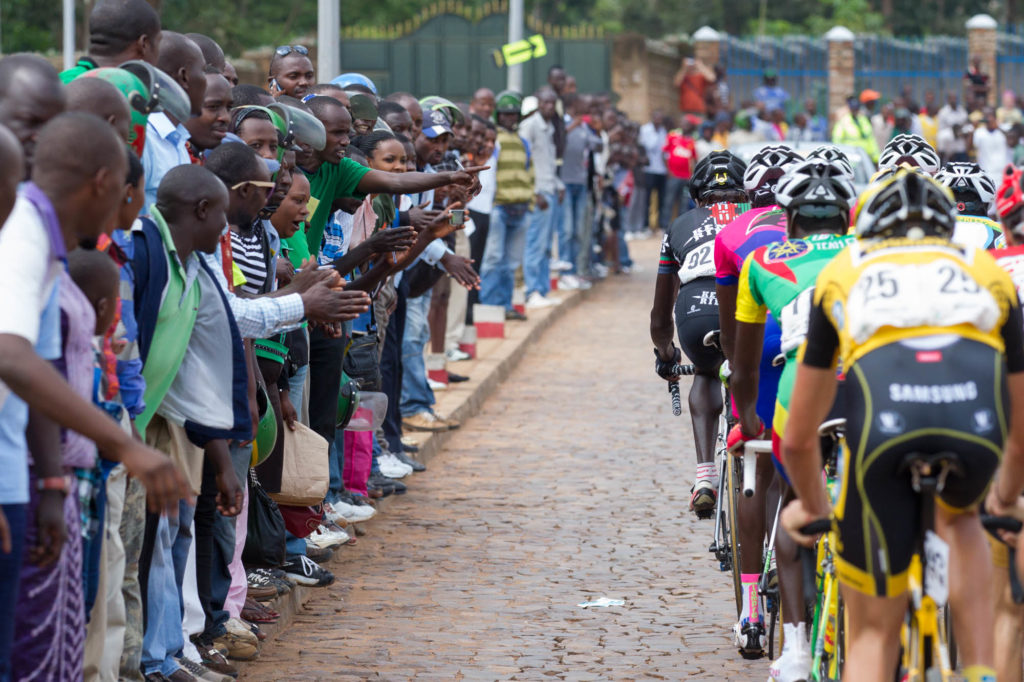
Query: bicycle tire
point(734, 492)
point(947, 624)
point(723, 539)
point(776, 634)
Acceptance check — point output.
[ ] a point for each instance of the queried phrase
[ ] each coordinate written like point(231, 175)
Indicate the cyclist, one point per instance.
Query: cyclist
point(1008, 621)
point(912, 150)
point(764, 223)
point(686, 272)
point(779, 278)
point(926, 332)
point(973, 192)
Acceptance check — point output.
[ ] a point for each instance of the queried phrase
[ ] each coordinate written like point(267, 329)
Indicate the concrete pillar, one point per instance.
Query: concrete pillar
point(707, 44)
point(982, 42)
point(841, 67)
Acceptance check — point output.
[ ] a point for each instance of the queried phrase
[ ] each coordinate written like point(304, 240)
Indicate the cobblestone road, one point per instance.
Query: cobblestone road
point(571, 484)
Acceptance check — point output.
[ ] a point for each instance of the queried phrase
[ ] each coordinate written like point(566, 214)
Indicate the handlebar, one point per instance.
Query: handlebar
point(673, 391)
point(1007, 523)
point(750, 451)
point(809, 558)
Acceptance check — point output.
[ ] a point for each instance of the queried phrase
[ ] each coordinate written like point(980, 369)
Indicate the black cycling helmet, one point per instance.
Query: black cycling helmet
point(718, 171)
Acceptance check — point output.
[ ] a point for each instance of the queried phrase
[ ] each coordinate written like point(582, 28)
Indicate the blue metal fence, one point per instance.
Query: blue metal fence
point(889, 64)
point(1010, 63)
point(800, 62)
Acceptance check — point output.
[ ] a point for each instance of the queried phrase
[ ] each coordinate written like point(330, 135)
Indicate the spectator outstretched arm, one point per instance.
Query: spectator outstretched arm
point(378, 182)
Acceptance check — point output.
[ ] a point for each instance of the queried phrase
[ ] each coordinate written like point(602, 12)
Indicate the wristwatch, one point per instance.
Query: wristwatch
point(58, 483)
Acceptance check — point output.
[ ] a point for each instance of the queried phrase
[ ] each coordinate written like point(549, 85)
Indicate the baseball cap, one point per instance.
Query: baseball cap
point(435, 124)
point(869, 95)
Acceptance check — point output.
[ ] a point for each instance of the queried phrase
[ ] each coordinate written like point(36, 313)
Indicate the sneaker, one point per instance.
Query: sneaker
point(352, 513)
point(600, 270)
point(750, 638)
point(424, 421)
point(181, 675)
point(539, 300)
point(454, 378)
point(456, 355)
point(515, 315)
point(327, 538)
point(436, 385)
point(318, 554)
point(155, 677)
point(381, 481)
point(793, 665)
point(409, 445)
point(201, 672)
point(452, 423)
point(416, 465)
point(258, 586)
point(242, 630)
point(239, 649)
point(276, 579)
point(561, 266)
point(305, 571)
point(216, 661)
point(569, 282)
point(392, 467)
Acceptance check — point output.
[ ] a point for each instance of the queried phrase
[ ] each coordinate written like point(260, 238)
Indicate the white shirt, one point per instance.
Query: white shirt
point(484, 201)
point(28, 272)
point(653, 141)
point(992, 151)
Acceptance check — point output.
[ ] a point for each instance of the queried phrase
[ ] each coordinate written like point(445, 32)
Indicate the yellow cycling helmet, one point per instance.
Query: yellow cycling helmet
point(905, 203)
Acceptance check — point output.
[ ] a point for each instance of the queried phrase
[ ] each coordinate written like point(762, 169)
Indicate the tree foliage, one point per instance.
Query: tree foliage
point(242, 24)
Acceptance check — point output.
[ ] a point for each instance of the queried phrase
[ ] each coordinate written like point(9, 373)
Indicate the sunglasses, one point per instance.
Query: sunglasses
point(286, 50)
point(268, 186)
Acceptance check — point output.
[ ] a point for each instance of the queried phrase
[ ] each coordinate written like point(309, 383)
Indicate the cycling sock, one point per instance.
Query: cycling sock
point(707, 472)
point(979, 673)
point(795, 636)
point(751, 607)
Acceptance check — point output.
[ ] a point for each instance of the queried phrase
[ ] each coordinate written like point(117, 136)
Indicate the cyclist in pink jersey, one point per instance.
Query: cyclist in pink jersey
point(763, 224)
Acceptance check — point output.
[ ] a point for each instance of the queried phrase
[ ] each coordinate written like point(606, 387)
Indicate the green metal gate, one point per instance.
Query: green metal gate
point(447, 49)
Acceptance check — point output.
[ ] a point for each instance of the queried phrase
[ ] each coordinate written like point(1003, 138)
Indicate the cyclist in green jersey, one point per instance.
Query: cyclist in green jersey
point(779, 278)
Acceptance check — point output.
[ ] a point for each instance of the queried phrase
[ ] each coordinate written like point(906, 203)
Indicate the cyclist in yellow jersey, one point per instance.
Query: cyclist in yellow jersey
point(929, 335)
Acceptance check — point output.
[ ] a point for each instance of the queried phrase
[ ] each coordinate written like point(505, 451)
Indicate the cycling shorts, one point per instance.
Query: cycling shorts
point(696, 315)
point(906, 398)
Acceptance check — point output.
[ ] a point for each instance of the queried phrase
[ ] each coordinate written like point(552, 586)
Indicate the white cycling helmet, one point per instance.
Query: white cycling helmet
point(769, 164)
point(814, 183)
point(912, 150)
point(831, 154)
point(972, 188)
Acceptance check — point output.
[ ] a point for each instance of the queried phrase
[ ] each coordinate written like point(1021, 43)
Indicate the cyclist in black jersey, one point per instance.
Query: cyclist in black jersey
point(686, 282)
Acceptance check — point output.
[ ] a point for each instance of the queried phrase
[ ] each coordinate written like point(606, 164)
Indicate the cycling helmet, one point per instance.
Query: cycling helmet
point(972, 189)
point(901, 204)
point(721, 170)
point(508, 102)
point(767, 165)
point(815, 189)
point(912, 149)
point(348, 400)
point(347, 79)
point(266, 430)
point(1010, 197)
point(138, 101)
point(831, 154)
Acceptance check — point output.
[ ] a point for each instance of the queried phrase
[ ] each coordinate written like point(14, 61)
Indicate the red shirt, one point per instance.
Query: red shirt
point(681, 155)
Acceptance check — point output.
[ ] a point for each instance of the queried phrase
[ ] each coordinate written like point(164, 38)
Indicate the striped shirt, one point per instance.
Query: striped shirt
point(250, 255)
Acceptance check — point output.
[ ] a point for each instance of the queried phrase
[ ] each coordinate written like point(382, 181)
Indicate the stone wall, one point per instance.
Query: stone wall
point(642, 74)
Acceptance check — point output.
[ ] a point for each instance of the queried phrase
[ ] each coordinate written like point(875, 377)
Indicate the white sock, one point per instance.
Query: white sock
point(707, 472)
point(795, 636)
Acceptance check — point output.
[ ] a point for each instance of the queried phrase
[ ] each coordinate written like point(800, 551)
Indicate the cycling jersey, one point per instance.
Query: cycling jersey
point(780, 278)
point(1011, 260)
point(688, 246)
point(756, 227)
point(877, 292)
point(978, 232)
point(926, 331)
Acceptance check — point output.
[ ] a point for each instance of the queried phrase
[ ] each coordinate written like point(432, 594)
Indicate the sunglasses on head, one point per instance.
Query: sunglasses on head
point(286, 50)
point(267, 186)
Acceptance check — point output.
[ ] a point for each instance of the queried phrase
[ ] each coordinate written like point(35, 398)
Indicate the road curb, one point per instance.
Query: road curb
point(497, 360)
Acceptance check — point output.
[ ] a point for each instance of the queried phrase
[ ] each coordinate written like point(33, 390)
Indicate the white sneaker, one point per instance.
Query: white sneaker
point(436, 385)
point(352, 513)
point(794, 664)
point(456, 355)
point(601, 270)
point(539, 300)
point(327, 538)
point(569, 282)
point(392, 467)
point(561, 265)
point(239, 629)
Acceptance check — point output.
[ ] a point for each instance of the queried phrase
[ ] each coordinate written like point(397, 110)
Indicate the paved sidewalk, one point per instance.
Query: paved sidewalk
point(572, 483)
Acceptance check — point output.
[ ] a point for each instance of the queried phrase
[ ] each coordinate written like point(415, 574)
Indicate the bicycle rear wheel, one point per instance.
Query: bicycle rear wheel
point(733, 491)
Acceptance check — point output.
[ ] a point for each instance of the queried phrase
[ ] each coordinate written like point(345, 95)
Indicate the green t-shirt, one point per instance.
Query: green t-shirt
point(332, 181)
point(84, 64)
point(780, 278)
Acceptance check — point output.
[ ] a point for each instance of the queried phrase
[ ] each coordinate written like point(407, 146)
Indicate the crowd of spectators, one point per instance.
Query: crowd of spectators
point(221, 300)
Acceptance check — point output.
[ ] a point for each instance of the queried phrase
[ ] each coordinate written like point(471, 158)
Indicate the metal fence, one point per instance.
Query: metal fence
point(801, 63)
point(1010, 63)
point(888, 65)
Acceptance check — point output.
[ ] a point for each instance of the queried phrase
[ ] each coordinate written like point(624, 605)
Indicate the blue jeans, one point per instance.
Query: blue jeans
point(336, 464)
point(506, 237)
point(624, 258)
point(677, 193)
point(10, 569)
point(163, 639)
point(296, 385)
point(573, 233)
point(293, 546)
point(537, 258)
point(416, 394)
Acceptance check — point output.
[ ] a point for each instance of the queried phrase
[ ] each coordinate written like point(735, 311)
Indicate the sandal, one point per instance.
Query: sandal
point(255, 612)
